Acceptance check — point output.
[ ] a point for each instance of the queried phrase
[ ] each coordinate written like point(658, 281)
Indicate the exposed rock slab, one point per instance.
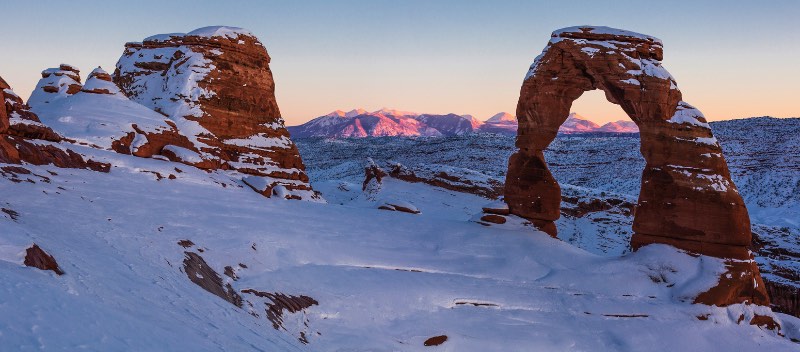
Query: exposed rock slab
point(200, 273)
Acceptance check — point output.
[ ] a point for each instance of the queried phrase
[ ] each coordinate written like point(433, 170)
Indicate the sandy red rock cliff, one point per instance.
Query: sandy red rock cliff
point(215, 85)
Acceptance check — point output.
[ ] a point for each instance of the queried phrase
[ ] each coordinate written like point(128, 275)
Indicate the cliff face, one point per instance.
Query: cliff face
point(687, 198)
point(215, 86)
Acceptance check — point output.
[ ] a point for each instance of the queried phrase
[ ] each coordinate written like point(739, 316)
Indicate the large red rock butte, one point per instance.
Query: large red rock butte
point(215, 86)
point(24, 139)
point(687, 198)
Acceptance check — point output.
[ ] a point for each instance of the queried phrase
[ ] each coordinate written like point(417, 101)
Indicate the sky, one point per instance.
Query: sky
point(731, 59)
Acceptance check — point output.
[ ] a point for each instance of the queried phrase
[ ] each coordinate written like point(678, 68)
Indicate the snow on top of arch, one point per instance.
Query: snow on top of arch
point(647, 66)
point(604, 30)
point(688, 114)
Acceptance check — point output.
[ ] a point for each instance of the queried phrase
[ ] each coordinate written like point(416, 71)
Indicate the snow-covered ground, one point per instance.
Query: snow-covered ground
point(356, 278)
point(382, 280)
point(761, 152)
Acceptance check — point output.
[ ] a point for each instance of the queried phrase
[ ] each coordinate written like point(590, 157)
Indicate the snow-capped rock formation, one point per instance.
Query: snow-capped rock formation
point(100, 116)
point(215, 87)
point(448, 177)
point(56, 83)
point(23, 138)
point(687, 197)
point(99, 82)
point(385, 123)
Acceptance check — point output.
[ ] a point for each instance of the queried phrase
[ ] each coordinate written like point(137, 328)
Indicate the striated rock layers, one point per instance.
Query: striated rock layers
point(687, 198)
point(23, 138)
point(215, 87)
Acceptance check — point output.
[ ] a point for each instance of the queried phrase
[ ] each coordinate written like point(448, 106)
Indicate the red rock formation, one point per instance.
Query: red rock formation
point(23, 138)
point(99, 82)
point(435, 341)
point(687, 198)
point(216, 86)
point(373, 175)
point(56, 83)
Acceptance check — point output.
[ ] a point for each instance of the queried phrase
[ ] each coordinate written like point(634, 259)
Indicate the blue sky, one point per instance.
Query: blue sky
point(731, 59)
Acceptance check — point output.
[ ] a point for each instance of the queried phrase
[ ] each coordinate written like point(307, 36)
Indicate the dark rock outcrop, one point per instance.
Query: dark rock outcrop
point(436, 340)
point(687, 198)
point(204, 276)
point(36, 257)
point(373, 174)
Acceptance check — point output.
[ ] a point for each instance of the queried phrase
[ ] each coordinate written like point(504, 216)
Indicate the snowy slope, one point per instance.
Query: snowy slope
point(382, 280)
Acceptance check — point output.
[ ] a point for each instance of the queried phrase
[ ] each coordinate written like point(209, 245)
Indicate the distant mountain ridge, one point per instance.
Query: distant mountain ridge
point(389, 122)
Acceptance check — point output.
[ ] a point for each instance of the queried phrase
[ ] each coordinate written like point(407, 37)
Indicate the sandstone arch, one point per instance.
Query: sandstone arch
point(687, 198)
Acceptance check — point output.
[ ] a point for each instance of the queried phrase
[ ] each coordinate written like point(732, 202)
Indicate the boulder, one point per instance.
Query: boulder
point(215, 85)
point(687, 198)
point(36, 257)
point(399, 205)
point(493, 218)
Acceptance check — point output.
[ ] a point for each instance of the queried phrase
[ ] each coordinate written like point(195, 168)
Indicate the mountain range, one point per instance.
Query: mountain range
point(388, 122)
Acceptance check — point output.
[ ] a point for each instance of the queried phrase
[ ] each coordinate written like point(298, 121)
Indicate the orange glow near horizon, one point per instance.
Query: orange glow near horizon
point(438, 57)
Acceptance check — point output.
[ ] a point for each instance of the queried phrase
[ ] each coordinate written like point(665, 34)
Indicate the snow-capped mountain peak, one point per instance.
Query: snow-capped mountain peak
point(355, 112)
point(503, 117)
point(577, 123)
point(394, 112)
point(392, 122)
point(336, 113)
point(385, 122)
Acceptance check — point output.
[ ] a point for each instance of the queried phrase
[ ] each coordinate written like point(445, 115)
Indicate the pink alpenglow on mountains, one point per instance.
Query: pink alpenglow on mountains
point(388, 122)
point(385, 123)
